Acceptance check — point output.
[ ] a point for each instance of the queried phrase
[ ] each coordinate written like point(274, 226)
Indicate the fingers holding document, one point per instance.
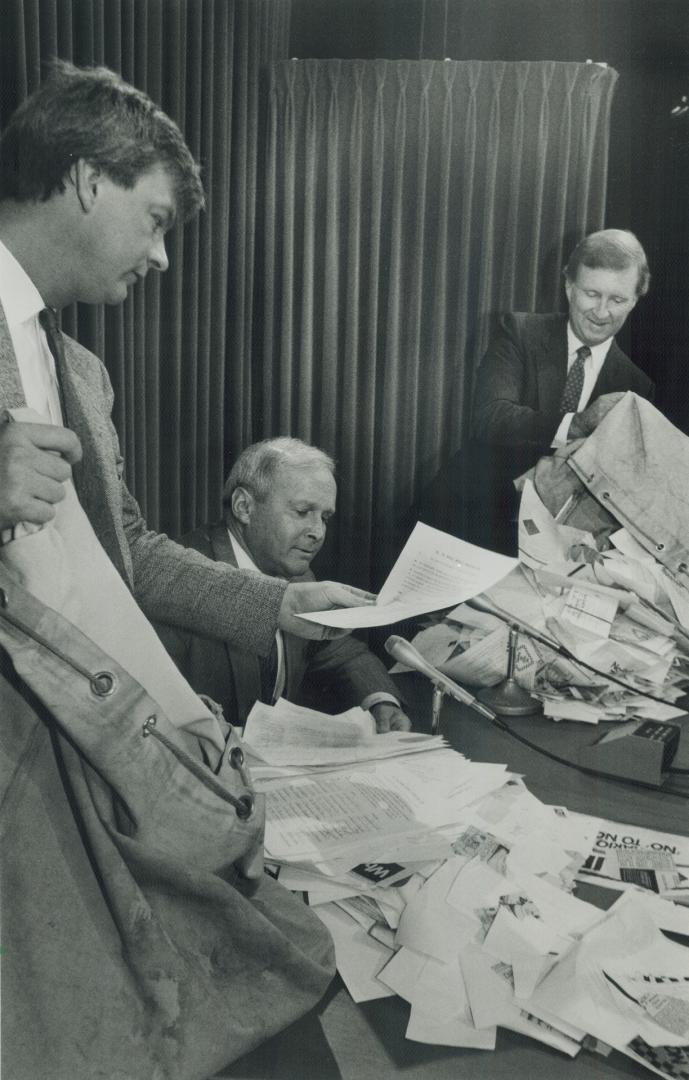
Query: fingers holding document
point(305, 596)
point(35, 460)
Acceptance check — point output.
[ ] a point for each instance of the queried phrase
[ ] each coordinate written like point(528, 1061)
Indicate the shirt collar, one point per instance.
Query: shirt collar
point(242, 557)
point(19, 296)
point(598, 352)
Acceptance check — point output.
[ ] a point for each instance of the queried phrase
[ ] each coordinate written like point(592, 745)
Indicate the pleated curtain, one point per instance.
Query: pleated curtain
point(406, 204)
point(179, 350)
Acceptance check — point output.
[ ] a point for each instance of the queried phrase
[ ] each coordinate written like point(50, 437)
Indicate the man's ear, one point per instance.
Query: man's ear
point(85, 179)
point(242, 505)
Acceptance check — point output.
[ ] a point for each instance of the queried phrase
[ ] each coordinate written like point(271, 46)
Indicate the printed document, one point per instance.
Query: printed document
point(434, 570)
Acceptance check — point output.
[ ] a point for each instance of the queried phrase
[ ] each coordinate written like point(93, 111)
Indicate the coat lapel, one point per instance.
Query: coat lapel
point(608, 376)
point(95, 478)
point(245, 666)
point(550, 356)
point(11, 389)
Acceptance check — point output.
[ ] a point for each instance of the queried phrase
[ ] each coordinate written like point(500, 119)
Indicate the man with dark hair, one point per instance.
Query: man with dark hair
point(92, 175)
point(546, 379)
point(141, 936)
point(278, 499)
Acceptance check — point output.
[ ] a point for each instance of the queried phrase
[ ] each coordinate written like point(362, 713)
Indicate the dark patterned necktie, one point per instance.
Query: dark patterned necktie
point(575, 381)
point(48, 320)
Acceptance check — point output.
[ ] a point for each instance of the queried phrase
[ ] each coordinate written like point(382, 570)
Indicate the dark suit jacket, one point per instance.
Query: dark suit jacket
point(344, 667)
point(515, 417)
point(520, 383)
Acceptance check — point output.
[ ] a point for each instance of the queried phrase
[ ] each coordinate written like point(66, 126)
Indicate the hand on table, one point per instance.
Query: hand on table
point(389, 717)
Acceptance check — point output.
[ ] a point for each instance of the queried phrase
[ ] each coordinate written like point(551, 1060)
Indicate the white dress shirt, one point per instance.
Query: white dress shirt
point(245, 562)
point(22, 303)
point(592, 369)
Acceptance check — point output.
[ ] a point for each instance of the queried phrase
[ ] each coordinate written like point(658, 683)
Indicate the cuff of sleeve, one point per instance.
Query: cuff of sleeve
point(560, 437)
point(379, 698)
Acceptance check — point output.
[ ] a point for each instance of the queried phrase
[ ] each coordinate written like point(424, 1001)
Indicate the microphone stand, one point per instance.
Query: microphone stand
point(438, 696)
point(508, 698)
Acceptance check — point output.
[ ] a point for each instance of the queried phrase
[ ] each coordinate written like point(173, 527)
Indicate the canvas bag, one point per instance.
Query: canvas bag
point(141, 939)
point(632, 472)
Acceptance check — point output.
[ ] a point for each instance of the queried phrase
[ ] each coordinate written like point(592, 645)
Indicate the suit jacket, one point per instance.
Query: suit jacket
point(515, 417)
point(520, 383)
point(170, 583)
point(344, 667)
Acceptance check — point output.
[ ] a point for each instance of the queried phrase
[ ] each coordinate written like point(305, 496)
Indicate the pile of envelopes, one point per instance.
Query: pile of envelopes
point(448, 883)
point(604, 572)
point(618, 611)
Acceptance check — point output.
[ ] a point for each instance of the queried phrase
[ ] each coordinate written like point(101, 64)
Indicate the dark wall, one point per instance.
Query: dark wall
point(647, 42)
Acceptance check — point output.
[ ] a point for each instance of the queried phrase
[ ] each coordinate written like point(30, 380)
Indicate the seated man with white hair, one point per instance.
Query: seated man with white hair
point(278, 500)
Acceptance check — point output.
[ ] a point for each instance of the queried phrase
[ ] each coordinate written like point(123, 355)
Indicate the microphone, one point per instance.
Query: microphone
point(405, 653)
point(480, 603)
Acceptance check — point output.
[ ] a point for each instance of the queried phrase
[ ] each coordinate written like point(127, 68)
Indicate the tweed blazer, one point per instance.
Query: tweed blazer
point(170, 583)
point(343, 670)
point(521, 379)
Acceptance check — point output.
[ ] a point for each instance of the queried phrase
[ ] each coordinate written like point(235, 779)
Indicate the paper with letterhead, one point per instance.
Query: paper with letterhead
point(434, 570)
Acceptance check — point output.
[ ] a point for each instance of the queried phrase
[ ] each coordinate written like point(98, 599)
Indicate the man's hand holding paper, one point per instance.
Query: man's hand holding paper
point(433, 571)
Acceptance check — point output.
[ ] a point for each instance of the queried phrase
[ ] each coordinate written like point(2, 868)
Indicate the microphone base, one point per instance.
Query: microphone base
point(508, 698)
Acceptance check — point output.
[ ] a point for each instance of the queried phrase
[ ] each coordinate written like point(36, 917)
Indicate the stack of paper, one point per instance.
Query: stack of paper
point(610, 628)
point(626, 984)
point(448, 883)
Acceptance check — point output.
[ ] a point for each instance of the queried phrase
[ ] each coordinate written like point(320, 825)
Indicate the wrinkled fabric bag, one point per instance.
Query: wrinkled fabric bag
point(141, 940)
point(631, 471)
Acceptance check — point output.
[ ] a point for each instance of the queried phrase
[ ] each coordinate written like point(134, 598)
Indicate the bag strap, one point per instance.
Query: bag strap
point(102, 684)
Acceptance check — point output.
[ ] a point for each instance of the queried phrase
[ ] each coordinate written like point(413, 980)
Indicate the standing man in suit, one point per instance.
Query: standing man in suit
point(92, 176)
point(546, 379)
point(278, 500)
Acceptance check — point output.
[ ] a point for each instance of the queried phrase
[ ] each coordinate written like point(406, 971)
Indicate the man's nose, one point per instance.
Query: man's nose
point(602, 308)
point(158, 255)
point(317, 528)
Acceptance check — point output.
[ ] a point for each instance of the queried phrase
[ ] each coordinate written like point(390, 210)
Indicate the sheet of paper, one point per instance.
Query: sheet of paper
point(542, 541)
point(609, 837)
point(490, 990)
point(359, 957)
point(440, 1011)
point(401, 973)
point(482, 663)
point(310, 818)
point(578, 991)
point(432, 926)
point(434, 570)
point(589, 611)
point(288, 734)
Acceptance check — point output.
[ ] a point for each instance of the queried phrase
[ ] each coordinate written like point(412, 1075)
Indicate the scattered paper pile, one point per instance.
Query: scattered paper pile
point(448, 883)
point(601, 613)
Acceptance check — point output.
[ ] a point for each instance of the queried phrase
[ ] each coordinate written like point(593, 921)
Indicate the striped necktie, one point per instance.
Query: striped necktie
point(48, 320)
point(575, 382)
